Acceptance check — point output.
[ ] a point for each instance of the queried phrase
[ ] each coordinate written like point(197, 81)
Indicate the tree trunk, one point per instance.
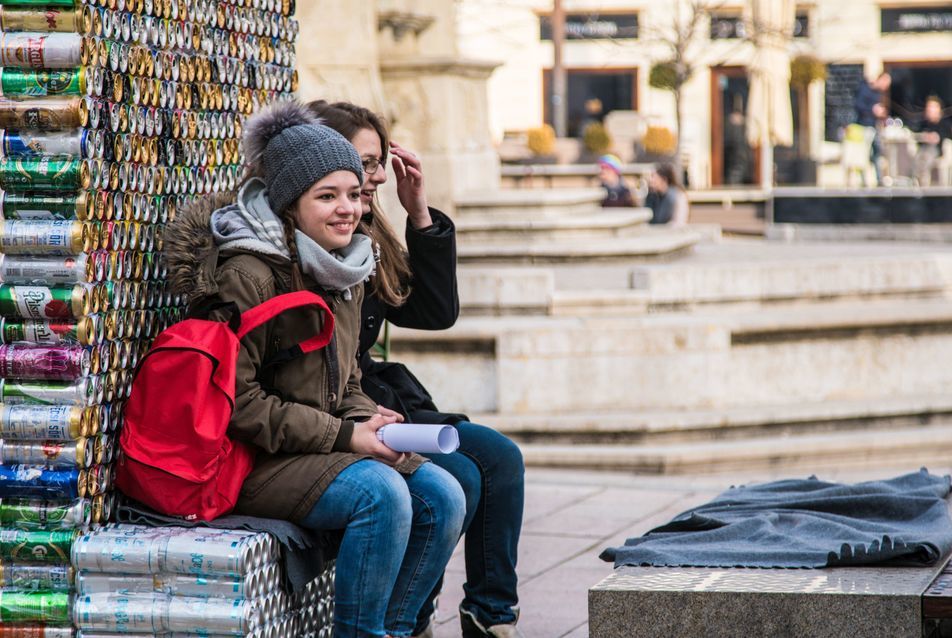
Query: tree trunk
point(677, 121)
point(559, 76)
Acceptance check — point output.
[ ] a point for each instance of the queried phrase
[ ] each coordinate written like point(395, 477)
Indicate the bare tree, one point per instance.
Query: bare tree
point(680, 38)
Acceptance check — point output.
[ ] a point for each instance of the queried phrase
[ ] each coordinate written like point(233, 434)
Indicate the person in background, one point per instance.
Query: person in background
point(666, 199)
point(869, 111)
point(415, 287)
point(594, 114)
point(617, 193)
point(933, 131)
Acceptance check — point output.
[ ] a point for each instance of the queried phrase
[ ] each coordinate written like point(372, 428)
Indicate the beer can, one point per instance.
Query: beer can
point(51, 271)
point(84, 331)
point(45, 515)
point(40, 50)
point(56, 362)
point(17, 82)
point(17, 206)
point(227, 587)
point(205, 551)
point(119, 549)
point(45, 302)
point(23, 481)
point(48, 454)
point(37, 546)
point(142, 614)
point(54, 237)
point(44, 114)
point(213, 616)
point(38, 143)
point(43, 423)
point(45, 607)
point(82, 392)
point(36, 578)
point(41, 16)
point(44, 174)
point(91, 584)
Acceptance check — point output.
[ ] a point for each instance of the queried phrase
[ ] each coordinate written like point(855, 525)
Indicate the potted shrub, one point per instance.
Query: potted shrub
point(595, 141)
point(541, 143)
point(804, 70)
point(658, 145)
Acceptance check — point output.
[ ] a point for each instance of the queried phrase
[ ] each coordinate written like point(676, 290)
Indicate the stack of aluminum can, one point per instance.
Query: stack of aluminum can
point(114, 114)
point(175, 581)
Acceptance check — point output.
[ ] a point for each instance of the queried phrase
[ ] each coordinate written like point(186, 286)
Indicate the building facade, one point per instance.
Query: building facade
point(612, 44)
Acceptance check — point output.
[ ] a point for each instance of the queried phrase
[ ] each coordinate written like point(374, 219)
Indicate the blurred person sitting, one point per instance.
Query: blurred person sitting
point(617, 193)
point(666, 198)
point(934, 134)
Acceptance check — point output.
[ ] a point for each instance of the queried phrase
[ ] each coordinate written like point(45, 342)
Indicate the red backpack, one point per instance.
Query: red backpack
point(177, 456)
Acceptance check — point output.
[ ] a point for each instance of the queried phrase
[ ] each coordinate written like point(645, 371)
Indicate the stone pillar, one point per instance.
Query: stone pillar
point(337, 53)
point(438, 102)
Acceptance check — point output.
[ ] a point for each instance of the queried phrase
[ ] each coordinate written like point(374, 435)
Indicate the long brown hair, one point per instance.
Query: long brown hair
point(391, 282)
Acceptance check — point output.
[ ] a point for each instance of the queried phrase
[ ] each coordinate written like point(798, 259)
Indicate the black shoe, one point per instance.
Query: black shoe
point(473, 629)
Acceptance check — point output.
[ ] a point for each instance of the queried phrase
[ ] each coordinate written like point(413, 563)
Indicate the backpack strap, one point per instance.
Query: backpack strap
point(257, 316)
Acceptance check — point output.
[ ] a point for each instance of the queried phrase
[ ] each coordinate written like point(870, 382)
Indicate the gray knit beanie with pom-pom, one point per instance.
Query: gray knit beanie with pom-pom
point(289, 148)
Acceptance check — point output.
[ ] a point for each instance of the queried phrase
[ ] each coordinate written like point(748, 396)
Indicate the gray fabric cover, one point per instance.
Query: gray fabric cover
point(805, 523)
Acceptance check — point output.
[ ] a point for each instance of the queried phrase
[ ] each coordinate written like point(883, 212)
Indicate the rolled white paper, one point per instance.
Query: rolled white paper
point(419, 437)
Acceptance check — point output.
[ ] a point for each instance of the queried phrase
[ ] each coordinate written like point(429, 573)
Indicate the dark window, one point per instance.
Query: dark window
point(614, 89)
point(593, 26)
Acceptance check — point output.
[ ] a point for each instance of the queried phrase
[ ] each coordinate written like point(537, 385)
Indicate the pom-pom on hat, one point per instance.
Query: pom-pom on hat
point(291, 150)
point(610, 161)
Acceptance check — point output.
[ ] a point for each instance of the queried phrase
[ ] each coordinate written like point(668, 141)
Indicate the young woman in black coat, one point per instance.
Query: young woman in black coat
point(416, 288)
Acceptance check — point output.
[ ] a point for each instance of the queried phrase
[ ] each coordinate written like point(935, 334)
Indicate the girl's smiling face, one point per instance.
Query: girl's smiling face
point(329, 210)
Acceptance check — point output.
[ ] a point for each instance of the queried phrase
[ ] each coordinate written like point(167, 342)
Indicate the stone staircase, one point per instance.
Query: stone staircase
point(559, 226)
point(745, 354)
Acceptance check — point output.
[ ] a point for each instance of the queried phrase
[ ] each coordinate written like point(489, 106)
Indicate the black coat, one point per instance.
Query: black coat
point(433, 304)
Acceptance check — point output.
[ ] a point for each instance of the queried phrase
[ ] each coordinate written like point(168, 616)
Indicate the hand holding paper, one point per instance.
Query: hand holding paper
point(419, 437)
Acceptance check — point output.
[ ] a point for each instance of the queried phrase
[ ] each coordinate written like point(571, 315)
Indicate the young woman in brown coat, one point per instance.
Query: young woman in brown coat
point(319, 462)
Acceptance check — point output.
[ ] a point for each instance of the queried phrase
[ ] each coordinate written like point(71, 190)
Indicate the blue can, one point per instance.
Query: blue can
point(27, 481)
point(38, 143)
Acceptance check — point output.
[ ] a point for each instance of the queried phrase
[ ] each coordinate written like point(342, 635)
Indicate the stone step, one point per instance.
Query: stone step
point(923, 445)
point(602, 225)
point(651, 245)
point(530, 204)
point(863, 350)
point(681, 426)
point(765, 280)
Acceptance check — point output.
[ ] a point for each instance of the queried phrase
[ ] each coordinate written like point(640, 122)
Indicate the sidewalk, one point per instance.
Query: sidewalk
point(571, 516)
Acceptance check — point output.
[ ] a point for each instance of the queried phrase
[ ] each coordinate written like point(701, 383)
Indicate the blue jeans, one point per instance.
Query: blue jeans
point(489, 467)
point(399, 533)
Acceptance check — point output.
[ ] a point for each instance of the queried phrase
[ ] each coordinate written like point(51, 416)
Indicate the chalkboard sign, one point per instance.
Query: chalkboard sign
point(842, 81)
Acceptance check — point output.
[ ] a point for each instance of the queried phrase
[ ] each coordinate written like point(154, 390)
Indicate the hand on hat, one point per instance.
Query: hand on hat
point(409, 172)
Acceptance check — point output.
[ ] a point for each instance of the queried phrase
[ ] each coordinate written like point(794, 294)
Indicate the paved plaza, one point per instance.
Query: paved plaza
point(571, 515)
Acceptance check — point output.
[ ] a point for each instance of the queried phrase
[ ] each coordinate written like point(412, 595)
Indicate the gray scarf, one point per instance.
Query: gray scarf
point(251, 226)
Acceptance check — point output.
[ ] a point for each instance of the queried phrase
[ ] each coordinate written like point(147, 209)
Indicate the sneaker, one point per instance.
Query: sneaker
point(473, 629)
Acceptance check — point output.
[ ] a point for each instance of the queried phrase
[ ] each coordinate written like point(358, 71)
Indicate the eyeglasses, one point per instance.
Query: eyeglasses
point(371, 164)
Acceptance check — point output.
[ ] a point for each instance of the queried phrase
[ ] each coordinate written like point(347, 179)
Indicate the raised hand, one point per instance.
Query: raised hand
point(410, 189)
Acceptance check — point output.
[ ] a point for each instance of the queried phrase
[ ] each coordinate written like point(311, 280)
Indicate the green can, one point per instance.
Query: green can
point(45, 515)
point(25, 546)
point(46, 607)
point(45, 302)
point(39, 207)
point(45, 174)
point(18, 82)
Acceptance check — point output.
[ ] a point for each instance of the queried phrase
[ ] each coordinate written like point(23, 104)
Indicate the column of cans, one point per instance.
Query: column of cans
point(181, 582)
point(115, 113)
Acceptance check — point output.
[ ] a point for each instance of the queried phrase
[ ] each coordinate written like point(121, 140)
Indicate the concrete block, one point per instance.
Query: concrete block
point(725, 603)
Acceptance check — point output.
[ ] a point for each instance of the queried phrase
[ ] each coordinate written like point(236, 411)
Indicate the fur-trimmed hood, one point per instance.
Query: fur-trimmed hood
point(190, 249)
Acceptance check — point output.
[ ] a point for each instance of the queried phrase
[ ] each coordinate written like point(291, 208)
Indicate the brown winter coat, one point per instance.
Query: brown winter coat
point(299, 413)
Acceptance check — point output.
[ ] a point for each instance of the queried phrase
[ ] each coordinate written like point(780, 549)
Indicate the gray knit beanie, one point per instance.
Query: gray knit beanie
point(291, 150)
